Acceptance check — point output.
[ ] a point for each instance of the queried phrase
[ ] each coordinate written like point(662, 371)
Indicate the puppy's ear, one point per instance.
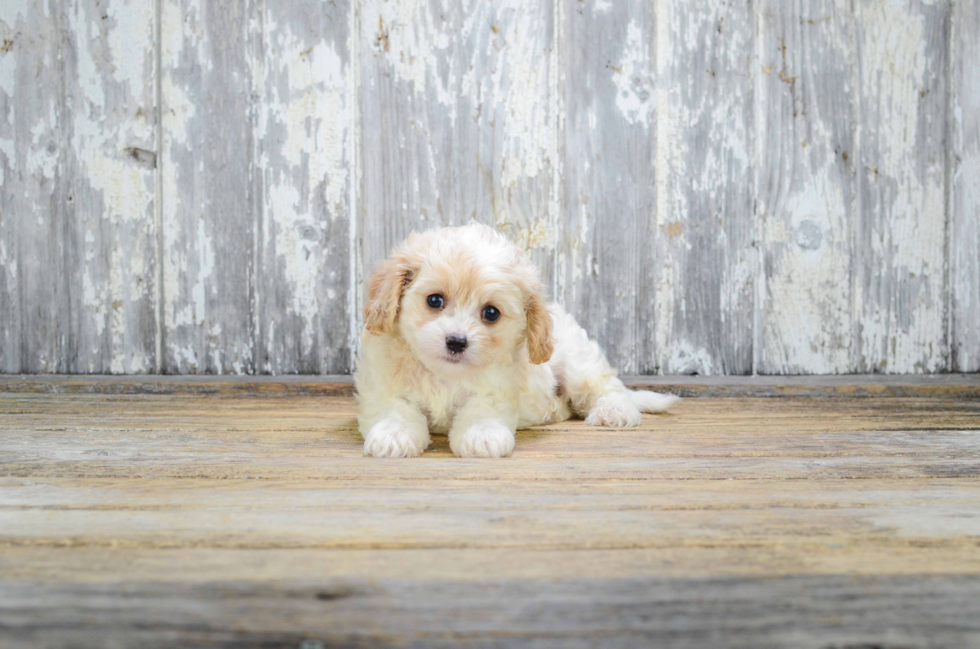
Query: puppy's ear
point(540, 345)
point(385, 294)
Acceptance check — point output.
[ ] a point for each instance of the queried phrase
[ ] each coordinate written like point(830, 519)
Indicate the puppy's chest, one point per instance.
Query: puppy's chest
point(440, 403)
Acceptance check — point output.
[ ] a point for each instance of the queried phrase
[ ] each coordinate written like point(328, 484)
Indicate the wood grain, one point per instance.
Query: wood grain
point(210, 207)
point(706, 262)
point(321, 611)
point(458, 122)
point(606, 258)
point(303, 167)
point(712, 188)
point(110, 72)
point(805, 112)
point(964, 174)
point(35, 307)
point(901, 235)
point(210, 519)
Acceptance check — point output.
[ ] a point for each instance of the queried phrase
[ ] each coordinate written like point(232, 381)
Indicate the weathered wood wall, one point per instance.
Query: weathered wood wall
point(188, 186)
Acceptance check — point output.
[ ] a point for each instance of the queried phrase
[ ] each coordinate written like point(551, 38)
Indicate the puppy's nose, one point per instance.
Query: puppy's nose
point(455, 343)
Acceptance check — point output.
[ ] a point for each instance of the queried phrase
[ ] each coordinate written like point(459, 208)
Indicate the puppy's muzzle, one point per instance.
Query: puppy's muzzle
point(455, 343)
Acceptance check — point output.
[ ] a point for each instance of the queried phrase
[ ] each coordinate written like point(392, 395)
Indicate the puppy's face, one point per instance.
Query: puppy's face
point(463, 299)
point(460, 314)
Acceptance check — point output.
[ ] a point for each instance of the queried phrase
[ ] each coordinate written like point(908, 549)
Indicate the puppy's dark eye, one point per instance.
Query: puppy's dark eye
point(491, 314)
point(435, 301)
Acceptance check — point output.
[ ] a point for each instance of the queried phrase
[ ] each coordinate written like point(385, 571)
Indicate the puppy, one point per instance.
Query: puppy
point(458, 340)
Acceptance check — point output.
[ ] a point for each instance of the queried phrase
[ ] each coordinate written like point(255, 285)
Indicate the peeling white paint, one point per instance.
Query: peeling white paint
point(193, 227)
point(483, 87)
point(8, 79)
point(306, 99)
point(635, 95)
point(519, 79)
point(90, 79)
point(536, 235)
point(803, 194)
point(115, 201)
point(809, 289)
point(177, 111)
point(703, 182)
point(12, 10)
point(964, 235)
point(43, 155)
point(899, 335)
point(683, 358)
point(671, 163)
point(128, 38)
point(413, 37)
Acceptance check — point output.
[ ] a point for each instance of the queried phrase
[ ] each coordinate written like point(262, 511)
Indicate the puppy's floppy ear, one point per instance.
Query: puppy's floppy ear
point(540, 345)
point(385, 294)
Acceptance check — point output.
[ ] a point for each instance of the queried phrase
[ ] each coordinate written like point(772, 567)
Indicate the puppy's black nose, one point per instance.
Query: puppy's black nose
point(455, 343)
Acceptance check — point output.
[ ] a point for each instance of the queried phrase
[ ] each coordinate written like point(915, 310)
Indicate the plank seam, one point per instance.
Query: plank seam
point(944, 386)
point(353, 248)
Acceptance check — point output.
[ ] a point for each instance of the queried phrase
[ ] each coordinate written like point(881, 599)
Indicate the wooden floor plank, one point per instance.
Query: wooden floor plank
point(252, 519)
point(780, 612)
point(572, 517)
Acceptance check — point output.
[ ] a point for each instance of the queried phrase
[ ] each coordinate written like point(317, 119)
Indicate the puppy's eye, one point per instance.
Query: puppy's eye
point(491, 314)
point(435, 301)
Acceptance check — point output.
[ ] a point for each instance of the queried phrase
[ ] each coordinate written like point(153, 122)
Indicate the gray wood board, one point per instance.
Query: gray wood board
point(901, 87)
point(812, 611)
point(706, 264)
point(964, 209)
point(35, 311)
point(304, 177)
point(606, 258)
point(212, 520)
point(805, 119)
point(458, 122)
point(210, 207)
point(109, 79)
point(710, 188)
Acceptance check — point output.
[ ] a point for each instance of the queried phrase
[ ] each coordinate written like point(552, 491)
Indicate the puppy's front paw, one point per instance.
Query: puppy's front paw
point(614, 415)
point(390, 438)
point(490, 438)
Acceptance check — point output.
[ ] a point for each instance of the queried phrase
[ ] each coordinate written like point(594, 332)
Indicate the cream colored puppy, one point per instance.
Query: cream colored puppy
point(457, 339)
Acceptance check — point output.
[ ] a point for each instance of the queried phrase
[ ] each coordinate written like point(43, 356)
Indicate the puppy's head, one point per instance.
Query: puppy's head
point(462, 298)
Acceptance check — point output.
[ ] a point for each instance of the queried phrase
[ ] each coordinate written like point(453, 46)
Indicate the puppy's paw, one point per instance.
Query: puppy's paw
point(614, 415)
point(489, 438)
point(390, 438)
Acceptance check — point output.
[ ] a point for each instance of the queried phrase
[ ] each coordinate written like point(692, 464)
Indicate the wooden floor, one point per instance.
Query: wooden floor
point(223, 517)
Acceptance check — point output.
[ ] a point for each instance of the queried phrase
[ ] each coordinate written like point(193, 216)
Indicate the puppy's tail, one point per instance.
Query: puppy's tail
point(652, 401)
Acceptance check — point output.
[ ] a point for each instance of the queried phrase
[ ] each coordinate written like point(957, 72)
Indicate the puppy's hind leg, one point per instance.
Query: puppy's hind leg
point(591, 385)
point(621, 407)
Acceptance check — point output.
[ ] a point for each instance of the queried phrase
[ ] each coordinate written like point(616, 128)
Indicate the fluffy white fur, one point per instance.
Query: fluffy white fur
point(534, 365)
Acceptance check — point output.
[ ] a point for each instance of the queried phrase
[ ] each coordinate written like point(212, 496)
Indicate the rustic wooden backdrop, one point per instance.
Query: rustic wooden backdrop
point(712, 186)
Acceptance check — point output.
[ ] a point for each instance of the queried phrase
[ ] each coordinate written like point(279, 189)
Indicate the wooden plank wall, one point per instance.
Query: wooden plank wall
point(764, 187)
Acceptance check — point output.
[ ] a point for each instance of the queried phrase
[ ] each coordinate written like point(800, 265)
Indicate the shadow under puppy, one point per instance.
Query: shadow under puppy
point(457, 339)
